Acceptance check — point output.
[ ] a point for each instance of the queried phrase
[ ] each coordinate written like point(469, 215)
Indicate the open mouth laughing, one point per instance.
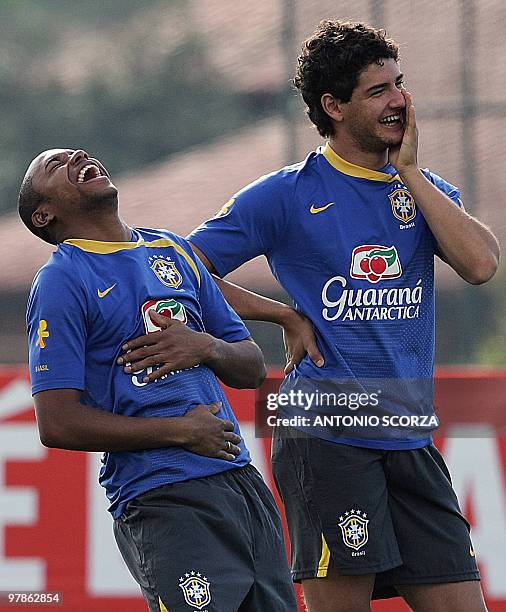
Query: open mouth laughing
point(394, 120)
point(88, 173)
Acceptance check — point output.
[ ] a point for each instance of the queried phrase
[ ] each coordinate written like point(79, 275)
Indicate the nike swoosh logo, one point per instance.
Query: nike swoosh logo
point(103, 293)
point(314, 210)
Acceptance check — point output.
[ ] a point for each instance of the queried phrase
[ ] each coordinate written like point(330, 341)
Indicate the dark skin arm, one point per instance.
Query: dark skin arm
point(298, 331)
point(64, 422)
point(237, 364)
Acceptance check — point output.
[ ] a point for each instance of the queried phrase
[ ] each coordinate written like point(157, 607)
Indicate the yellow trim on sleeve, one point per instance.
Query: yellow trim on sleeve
point(106, 248)
point(323, 564)
point(162, 605)
point(350, 169)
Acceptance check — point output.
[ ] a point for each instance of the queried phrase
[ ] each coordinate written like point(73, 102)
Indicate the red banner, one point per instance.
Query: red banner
point(56, 534)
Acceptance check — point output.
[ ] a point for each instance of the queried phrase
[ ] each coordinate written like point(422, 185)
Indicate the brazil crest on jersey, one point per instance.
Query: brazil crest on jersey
point(352, 249)
point(86, 302)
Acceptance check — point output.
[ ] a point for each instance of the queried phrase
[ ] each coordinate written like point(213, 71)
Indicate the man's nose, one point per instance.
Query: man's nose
point(78, 156)
point(397, 99)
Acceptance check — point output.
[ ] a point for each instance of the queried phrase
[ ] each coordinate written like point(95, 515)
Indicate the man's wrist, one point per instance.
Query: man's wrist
point(211, 349)
point(285, 315)
point(177, 434)
point(410, 174)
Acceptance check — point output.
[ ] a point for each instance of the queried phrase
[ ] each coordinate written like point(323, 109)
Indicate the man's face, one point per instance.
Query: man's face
point(71, 178)
point(374, 116)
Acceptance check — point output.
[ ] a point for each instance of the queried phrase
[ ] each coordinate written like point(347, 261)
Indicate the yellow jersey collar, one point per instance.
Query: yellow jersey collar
point(352, 170)
point(96, 246)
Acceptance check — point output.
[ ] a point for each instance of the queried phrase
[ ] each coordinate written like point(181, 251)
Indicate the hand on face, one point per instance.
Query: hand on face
point(404, 156)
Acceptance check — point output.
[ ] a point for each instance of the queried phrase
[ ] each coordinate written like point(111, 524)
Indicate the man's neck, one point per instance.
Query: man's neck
point(349, 150)
point(106, 230)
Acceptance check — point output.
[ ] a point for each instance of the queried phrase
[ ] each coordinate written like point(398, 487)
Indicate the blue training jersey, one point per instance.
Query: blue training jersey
point(86, 302)
point(352, 249)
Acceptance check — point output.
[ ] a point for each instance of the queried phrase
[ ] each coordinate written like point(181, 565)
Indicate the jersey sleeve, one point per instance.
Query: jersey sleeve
point(447, 188)
point(56, 324)
point(219, 319)
point(250, 224)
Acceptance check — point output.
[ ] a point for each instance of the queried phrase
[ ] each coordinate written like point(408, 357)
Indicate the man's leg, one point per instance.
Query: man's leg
point(341, 532)
point(272, 589)
point(338, 593)
point(439, 572)
point(462, 596)
point(189, 544)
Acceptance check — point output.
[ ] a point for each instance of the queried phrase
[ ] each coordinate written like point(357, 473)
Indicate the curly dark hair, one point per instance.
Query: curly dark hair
point(331, 62)
point(28, 202)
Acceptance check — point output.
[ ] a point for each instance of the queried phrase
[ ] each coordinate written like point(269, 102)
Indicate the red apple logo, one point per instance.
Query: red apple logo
point(375, 262)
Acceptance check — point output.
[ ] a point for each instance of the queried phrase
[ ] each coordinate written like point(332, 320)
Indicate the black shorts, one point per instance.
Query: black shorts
point(389, 513)
point(211, 544)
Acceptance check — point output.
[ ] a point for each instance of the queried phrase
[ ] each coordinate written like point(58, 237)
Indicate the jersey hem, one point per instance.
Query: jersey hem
point(117, 508)
point(377, 444)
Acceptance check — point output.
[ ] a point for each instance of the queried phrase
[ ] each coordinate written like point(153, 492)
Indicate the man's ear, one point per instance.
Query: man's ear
point(332, 106)
point(43, 216)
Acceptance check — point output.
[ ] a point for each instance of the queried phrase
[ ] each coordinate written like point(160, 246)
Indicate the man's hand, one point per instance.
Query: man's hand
point(404, 157)
point(299, 339)
point(206, 434)
point(176, 347)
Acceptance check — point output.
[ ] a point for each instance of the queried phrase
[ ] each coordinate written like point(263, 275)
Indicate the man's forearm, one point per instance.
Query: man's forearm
point(298, 333)
point(237, 364)
point(466, 244)
point(66, 423)
point(251, 306)
point(248, 305)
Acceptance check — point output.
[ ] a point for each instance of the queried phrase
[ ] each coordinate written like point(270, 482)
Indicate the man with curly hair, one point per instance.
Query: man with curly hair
point(351, 234)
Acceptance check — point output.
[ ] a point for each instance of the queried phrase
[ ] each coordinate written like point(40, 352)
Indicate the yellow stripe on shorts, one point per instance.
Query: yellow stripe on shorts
point(162, 605)
point(323, 564)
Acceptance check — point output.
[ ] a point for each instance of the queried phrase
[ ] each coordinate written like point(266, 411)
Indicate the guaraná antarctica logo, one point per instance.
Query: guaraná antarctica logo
point(167, 308)
point(374, 263)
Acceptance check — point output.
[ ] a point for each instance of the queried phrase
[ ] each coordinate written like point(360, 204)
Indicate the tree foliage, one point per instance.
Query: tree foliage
point(158, 108)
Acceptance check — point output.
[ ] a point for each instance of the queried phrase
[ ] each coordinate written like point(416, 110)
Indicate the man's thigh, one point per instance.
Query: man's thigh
point(336, 504)
point(432, 534)
point(462, 596)
point(338, 593)
point(189, 544)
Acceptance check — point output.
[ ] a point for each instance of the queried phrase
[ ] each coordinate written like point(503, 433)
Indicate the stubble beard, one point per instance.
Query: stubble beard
point(369, 141)
point(100, 201)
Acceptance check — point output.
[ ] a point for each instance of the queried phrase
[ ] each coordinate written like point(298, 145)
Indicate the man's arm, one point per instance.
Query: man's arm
point(465, 244)
point(298, 331)
point(237, 364)
point(64, 422)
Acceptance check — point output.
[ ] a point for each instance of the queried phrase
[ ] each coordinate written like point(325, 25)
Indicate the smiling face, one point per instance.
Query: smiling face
point(374, 116)
point(64, 191)
point(71, 177)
